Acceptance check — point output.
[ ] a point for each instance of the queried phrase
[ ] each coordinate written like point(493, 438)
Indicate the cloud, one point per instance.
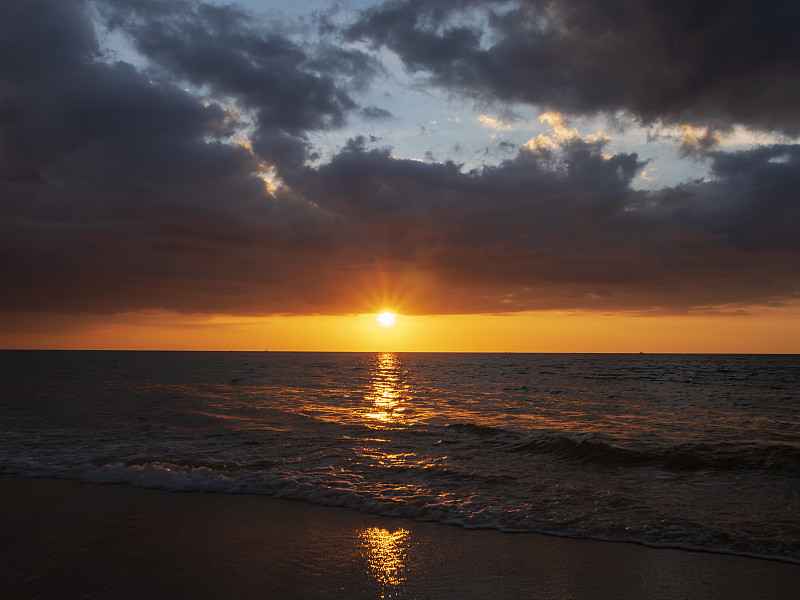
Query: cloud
point(560, 134)
point(114, 187)
point(495, 124)
point(701, 63)
point(696, 140)
point(563, 228)
point(289, 88)
point(123, 191)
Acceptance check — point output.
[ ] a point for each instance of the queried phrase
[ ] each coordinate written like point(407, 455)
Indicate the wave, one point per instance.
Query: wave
point(777, 459)
point(169, 477)
point(783, 459)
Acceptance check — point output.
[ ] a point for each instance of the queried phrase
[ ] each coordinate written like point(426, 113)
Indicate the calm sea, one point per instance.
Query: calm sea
point(688, 451)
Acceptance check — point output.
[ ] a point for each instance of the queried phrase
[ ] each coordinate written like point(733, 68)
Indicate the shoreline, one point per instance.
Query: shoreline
point(70, 539)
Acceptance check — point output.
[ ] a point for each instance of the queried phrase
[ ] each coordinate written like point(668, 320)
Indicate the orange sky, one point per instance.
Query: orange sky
point(760, 331)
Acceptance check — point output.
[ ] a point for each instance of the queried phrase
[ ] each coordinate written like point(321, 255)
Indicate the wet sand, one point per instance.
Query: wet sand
point(68, 539)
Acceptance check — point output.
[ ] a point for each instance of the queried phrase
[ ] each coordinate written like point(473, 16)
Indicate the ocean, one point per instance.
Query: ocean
point(685, 451)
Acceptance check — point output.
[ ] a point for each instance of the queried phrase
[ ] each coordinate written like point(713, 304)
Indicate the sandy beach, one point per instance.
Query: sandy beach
point(68, 539)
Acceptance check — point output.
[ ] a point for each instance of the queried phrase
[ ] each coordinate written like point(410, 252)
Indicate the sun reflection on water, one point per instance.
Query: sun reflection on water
point(385, 394)
point(386, 553)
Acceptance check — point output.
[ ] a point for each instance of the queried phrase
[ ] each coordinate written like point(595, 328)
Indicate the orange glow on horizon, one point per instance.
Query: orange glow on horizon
point(763, 330)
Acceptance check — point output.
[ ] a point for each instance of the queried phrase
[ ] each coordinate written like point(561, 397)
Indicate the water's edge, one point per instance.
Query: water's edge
point(390, 514)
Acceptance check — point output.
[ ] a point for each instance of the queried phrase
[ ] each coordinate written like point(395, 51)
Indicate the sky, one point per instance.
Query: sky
point(527, 176)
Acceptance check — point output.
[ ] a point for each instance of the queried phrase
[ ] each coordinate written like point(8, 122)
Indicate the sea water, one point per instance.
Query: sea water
point(687, 451)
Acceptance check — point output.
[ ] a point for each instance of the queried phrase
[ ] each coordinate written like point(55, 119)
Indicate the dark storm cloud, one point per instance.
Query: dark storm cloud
point(556, 228)
point(61, 102)
point(291, 89)
point(119, 190)
point(716, 62)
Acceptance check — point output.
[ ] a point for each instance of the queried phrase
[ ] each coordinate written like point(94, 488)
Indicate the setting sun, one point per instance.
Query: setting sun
point(386, 319)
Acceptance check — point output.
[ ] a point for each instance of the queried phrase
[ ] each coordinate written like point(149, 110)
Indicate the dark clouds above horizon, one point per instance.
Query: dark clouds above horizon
point(140, 184)
point(714, 63)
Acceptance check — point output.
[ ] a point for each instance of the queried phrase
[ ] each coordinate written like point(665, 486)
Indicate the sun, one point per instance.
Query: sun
point(386, 319)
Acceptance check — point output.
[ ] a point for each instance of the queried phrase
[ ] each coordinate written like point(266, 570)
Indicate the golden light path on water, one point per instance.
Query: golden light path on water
point(386, 393)
point(386, 553)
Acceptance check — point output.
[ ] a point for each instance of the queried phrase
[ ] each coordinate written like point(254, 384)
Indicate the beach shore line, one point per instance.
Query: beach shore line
point(70, 539)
